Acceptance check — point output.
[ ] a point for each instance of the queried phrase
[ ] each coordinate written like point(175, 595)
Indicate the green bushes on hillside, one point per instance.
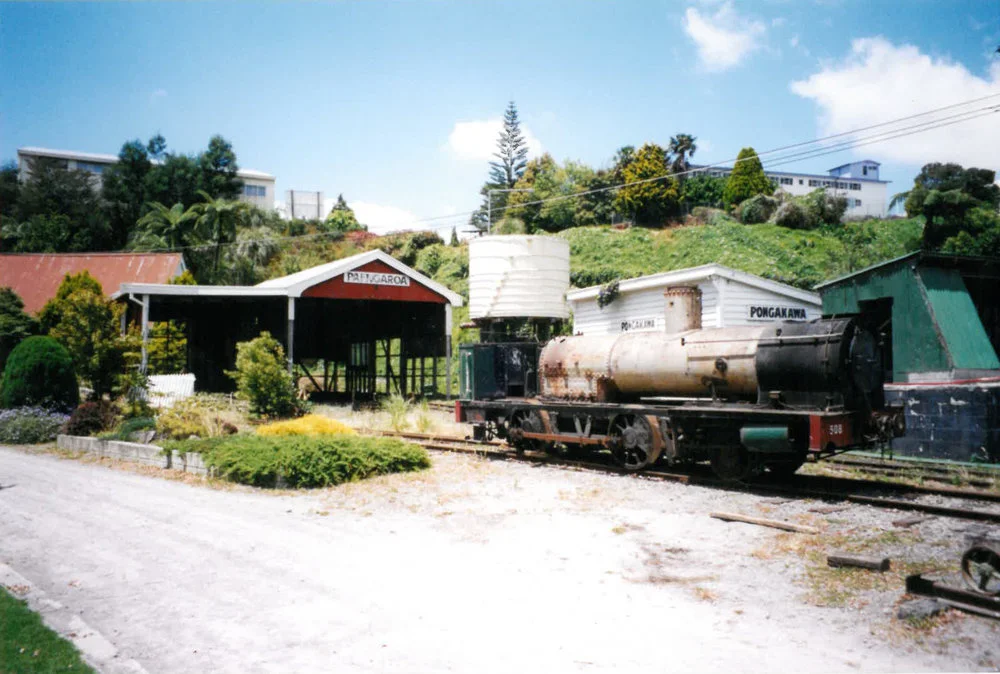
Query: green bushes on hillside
point(799, 258)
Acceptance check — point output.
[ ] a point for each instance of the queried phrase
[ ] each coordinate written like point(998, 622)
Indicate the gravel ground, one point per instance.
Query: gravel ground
point(472, 566)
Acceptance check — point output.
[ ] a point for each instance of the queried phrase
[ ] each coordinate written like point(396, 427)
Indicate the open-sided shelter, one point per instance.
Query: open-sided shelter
point(353, 327)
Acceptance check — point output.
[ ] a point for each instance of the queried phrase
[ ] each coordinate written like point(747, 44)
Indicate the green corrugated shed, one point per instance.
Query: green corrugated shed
point(936, 325)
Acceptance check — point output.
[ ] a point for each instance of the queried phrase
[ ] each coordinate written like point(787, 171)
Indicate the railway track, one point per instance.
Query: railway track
point(924, 470)
point(801, 486)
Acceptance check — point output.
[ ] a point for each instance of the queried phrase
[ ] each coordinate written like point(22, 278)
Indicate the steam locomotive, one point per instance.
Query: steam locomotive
point(747, 399)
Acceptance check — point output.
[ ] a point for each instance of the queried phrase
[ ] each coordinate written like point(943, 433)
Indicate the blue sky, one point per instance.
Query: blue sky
point(394, 104)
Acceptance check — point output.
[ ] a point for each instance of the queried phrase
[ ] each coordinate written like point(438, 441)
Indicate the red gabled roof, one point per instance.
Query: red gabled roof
point(35, 277)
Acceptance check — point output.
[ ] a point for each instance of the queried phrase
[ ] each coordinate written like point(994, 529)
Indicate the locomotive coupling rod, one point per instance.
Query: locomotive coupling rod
point(973, 602)
point(563, 437)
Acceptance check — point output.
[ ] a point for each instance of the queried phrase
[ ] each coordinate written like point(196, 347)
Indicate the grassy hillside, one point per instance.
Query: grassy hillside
point(799, 258)
point(601, 254)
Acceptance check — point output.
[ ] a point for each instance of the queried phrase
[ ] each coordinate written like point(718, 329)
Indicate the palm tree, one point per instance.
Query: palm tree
point(163, 227)
point(680, 148)
point(898, 199)
point(218, 219)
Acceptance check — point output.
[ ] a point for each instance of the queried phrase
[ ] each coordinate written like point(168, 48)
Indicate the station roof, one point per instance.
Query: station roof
point(36, 277)
point(295, 285)
point(694, 275)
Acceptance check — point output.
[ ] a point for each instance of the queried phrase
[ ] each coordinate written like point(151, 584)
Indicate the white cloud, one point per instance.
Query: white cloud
point(381, 219)
point(477, 140)
point(879, 81)
point(724, 39)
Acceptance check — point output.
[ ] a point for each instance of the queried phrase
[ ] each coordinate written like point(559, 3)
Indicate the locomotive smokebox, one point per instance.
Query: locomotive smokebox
point(682, 309)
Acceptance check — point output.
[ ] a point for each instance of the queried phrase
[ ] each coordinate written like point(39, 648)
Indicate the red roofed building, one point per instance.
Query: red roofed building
point(35, 277)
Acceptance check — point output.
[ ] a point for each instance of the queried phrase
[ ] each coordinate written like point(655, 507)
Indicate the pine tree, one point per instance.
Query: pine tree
point(454, 237)
point(512, 158)
point(512, 152)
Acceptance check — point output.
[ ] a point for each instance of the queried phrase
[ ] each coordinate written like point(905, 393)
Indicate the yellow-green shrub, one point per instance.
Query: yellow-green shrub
point(311, 424)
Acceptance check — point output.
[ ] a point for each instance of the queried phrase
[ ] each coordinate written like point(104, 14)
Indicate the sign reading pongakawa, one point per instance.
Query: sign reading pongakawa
point(377, 278)
point(633, 324)
point(767, 312)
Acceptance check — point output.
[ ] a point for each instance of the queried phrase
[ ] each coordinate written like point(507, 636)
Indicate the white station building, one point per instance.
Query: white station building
point(858, 182)
point(728, 298)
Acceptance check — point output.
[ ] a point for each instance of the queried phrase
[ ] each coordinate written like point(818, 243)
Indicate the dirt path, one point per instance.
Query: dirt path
point(471, 567)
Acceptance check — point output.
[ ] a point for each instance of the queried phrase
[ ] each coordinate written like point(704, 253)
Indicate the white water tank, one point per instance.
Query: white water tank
point(518, 277)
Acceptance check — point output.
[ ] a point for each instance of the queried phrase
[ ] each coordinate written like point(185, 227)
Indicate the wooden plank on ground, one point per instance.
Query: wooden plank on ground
point(910, 521)
point(774, 524)
point(873, 563)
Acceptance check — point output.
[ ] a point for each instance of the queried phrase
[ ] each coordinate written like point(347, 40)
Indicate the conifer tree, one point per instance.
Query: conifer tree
point(511, 160)
point(747, 179)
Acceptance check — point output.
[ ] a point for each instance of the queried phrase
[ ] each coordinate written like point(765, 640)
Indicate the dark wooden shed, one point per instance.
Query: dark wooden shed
point(354, 327)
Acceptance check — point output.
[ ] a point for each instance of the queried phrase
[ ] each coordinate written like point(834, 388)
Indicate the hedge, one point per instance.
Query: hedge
point(304, 461)
point(39, 371)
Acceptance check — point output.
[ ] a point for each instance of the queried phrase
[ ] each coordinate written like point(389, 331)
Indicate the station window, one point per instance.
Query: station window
point(254, 190)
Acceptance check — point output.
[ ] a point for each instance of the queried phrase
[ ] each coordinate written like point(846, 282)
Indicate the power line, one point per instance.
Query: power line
point(803, 155)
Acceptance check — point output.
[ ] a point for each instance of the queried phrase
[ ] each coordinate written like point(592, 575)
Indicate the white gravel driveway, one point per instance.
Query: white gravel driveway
point(474, 566)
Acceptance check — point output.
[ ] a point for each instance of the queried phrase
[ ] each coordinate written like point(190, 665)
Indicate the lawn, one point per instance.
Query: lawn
point(28, 646)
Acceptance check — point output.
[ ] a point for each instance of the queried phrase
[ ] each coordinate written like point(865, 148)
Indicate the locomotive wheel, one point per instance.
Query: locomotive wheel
point(632, 442)
point(731, 463)
point(981, 569)
point(530, 421)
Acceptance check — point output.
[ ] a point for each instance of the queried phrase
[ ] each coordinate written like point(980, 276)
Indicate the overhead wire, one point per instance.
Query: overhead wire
point(822, 150)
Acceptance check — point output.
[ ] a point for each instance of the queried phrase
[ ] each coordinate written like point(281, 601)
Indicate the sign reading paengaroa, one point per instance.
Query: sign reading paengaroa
point(763, 312)
point(377, 278)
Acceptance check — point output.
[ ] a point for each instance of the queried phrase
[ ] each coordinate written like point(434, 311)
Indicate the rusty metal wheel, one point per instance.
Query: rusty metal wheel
point(981, 568)
point(522, 421)
point(632, 442)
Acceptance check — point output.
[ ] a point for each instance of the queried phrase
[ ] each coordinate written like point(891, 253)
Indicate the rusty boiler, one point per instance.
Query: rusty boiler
point(681, 361)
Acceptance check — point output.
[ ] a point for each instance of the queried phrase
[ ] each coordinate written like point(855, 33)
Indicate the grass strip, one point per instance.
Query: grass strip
point(27, 646)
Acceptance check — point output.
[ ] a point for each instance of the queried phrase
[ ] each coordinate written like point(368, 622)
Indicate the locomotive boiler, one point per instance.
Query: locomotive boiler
point(747, 399)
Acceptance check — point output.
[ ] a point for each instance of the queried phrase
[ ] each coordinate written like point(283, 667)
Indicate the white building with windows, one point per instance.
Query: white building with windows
point(728, 298)
point(857, 181)
point(258, 187)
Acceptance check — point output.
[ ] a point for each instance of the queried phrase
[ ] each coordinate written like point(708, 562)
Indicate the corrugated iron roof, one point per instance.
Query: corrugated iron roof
point(35, 277)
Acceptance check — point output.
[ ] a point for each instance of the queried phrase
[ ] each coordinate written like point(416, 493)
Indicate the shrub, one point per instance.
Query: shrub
point(15, 324)
point(757, 209)
point(88, 326)
point(397, 408)
point(30, 425)
point(91, 418)
point(201, 415)
point(39, 371)
point(262, 377)
point(792, 216)
point(310, 424)
point(823, 208)
point(129, 427)
point(304, 461)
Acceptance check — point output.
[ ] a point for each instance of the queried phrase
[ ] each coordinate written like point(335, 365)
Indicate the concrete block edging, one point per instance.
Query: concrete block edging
point(151, 455)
